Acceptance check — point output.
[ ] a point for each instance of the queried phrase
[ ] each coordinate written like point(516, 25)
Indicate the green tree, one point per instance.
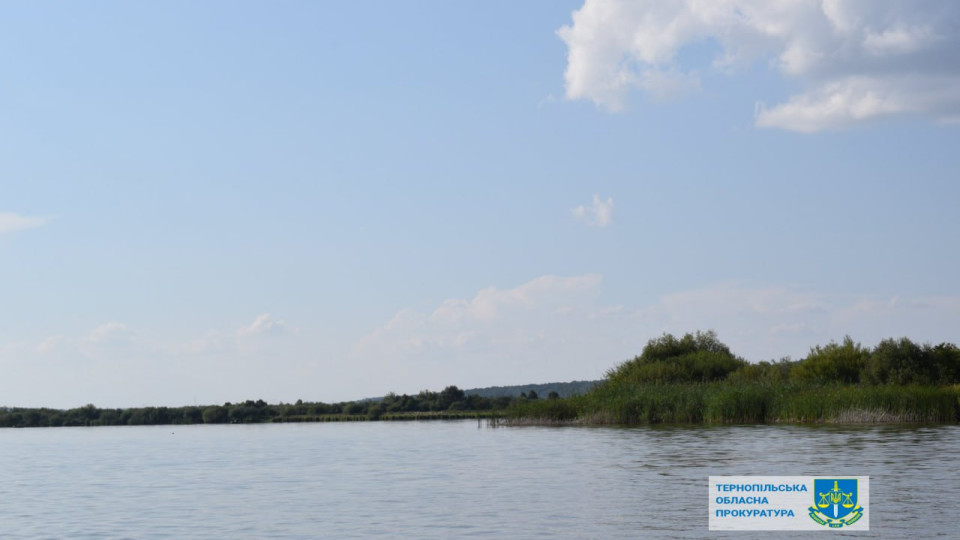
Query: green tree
point(764, 372)
point(833, 363)
point(215, 414)
point(900, 361)
point(699, 357)
point(945, 358)
point(448, 396)
point(354, 408)
point(374, 410)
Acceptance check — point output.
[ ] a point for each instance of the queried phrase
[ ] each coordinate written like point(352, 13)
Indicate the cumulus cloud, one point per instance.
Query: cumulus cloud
point(598, 214)
point(10, 222)
point(855, 60)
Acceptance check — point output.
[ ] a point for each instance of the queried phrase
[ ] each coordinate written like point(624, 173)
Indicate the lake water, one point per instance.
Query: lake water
point(448, 479)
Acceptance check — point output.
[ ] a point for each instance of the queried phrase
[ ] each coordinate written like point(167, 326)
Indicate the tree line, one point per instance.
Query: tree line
point(701, 357)
point(450, 399)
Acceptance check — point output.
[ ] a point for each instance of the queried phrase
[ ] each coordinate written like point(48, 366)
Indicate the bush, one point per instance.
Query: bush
point(214, 415)
point(765, 372)
point(900, 362)
point(945, 358)
point(699, 357)
point(833, 363)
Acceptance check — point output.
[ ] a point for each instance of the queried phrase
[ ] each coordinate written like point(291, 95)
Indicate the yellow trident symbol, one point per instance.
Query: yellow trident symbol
point(835, 496)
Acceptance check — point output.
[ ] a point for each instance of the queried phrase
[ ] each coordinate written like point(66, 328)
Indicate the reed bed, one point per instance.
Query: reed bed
point(400, 416)
point(746, 403)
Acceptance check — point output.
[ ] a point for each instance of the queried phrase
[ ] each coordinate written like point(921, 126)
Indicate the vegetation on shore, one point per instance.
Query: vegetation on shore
point(450, 403)
point(554, 389)
point(696, 379)
point(689, 380)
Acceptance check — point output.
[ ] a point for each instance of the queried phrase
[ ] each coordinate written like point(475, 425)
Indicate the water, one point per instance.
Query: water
point(447, 479)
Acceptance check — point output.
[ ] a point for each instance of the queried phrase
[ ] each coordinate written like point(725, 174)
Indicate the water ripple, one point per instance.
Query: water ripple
point(446, 479)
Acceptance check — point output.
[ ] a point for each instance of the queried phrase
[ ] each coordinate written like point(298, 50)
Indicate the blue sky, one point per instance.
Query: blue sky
point(325, 201)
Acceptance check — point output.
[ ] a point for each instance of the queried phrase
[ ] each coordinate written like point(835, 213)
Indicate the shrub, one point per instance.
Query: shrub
point(764, 372)
point(900, 362)
point(833, 363)
point(945, 358)
point(699, 357)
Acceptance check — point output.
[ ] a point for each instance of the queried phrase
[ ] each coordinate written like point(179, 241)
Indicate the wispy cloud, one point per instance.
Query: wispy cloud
point(598, 214)
point(263, 324)
point(109, 332)
point(50, 344)
point(558, 327)
point(857, 61)
point(548, 328)
point(524, 332)
point(10, 222)
point(121, 364)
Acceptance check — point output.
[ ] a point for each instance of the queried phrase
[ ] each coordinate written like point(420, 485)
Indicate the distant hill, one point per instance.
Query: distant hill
point(564, 389)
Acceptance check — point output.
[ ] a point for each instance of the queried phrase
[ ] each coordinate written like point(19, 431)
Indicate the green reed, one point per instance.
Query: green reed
point(747, 403)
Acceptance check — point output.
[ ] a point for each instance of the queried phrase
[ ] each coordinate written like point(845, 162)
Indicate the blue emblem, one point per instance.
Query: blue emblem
point(835, 502)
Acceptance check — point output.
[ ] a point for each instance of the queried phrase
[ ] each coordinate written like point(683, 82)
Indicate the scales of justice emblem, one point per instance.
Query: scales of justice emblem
point(836, 505)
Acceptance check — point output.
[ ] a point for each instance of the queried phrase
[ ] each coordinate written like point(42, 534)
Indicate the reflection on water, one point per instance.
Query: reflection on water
point(448, 479)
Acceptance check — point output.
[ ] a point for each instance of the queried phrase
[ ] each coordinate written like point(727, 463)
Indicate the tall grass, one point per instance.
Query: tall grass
point(747, 403)
point(852, 403)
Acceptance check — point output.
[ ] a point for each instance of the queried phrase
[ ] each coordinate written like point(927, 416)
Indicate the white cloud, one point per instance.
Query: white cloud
point(111, 340)
point(856, 60)
point(50, 344)
point(488, 303)
point(109, 333)
point(263, 324)
point(116, 364)
point(555, 328)
point(521, 333)
point(769, 322)
point(598, 214)
point(10, 222)
point(548, 328)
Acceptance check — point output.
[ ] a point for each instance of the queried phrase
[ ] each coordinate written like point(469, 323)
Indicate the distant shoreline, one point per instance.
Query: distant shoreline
point(719, 403)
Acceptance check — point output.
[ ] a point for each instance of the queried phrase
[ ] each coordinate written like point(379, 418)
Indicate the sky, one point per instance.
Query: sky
point(204, 202)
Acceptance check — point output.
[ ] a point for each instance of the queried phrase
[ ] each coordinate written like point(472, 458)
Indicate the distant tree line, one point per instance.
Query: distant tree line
point(559, 389)
point(450, 399)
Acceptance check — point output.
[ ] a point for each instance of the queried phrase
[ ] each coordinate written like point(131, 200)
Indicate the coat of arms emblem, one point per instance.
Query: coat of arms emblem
point(835, 502)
